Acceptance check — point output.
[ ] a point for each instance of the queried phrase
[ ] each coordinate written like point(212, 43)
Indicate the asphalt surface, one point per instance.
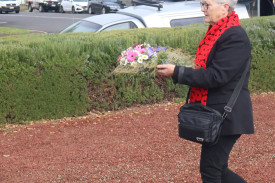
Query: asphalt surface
point(49, 22)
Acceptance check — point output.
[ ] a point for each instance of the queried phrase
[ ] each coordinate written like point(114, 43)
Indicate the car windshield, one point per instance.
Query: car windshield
point(82, 26)
point(113, 1)
point(80, 0)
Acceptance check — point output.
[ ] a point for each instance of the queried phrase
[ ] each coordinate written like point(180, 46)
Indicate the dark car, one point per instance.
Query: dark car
point(104, 6)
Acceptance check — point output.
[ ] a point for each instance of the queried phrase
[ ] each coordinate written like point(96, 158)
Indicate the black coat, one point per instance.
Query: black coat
point(225, 64)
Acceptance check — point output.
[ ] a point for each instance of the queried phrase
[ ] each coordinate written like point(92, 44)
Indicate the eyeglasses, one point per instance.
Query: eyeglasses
point(204, 5)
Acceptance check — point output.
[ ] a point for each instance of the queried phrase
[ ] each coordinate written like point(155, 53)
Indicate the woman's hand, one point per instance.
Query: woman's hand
point(165, 70)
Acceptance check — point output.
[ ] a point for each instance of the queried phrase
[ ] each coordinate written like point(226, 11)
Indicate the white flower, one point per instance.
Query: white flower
point(124, 53)
point(124, 62)
point(136, 51)
point(122, 59)
point(139, 60)
point(145, 57)
point(133, 63)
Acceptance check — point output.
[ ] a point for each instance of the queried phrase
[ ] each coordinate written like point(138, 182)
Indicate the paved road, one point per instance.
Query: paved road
point(49, 22)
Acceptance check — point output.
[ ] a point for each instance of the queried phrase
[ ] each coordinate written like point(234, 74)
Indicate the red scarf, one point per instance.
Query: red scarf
point(212, 35)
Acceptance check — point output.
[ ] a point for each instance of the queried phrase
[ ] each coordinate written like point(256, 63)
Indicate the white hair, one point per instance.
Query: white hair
point(232, 3)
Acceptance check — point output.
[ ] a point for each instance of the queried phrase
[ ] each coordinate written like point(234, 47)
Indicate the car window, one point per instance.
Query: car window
point(82, 26)
point(186, 21)
point(125, 25)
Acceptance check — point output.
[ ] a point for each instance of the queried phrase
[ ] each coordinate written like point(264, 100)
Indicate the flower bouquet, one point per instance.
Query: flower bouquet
point(144, 58)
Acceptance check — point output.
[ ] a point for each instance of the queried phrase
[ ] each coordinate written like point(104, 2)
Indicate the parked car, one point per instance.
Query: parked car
point(74, 6)
point(104, 6)
point(43, 5)
point(9, 6)
point(167, 14)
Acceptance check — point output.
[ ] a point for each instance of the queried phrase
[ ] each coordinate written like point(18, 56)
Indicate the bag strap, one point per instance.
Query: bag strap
point(229, 106)
point(188, 95)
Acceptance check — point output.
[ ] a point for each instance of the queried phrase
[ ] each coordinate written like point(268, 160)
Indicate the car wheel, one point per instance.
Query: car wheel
point(90, 11)
point(17, 11)
point(103, 11)
point(61, 10)
point(30, 8)
point(41, 8)
point(73, 10)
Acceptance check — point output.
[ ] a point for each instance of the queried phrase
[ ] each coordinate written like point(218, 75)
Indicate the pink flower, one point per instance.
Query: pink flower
point(135, 45)
point(141, 50)
point(119, 58)
point(131, 56)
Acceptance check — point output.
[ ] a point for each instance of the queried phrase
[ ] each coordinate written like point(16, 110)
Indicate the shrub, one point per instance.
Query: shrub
point(262, 37)
point(57, 75)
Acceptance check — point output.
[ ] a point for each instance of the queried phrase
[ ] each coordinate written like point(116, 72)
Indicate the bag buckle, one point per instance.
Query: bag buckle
point(227, 108)
point(199, 139)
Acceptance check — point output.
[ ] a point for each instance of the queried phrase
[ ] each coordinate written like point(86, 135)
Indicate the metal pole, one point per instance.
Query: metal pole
point(258, 8)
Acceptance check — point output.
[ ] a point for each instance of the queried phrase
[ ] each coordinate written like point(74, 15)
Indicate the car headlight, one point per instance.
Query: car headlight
point(114, 7)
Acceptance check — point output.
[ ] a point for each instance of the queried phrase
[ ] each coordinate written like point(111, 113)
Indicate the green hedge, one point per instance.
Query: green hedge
point(57, 75)
point(39, 79)
point(261, 32)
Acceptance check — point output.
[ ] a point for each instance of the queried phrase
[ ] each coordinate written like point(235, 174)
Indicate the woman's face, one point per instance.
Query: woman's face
point(214, 11)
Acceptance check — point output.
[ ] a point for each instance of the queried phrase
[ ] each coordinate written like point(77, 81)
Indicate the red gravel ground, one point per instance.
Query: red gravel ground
point(138, 144)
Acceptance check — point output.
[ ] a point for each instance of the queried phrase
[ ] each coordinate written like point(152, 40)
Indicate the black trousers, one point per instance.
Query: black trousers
point(214, 162)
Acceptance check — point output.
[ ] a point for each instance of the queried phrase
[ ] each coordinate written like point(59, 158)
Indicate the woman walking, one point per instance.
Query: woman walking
point(221, 58)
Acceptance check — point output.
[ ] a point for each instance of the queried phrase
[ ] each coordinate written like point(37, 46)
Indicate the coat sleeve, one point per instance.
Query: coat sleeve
point(228, 59)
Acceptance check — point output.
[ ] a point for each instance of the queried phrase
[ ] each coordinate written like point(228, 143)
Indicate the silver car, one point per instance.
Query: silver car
point(167, 14)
